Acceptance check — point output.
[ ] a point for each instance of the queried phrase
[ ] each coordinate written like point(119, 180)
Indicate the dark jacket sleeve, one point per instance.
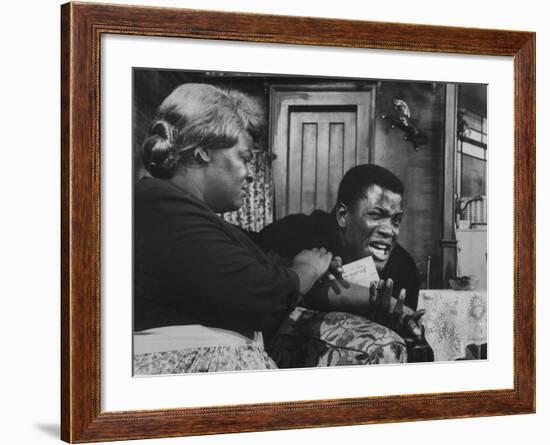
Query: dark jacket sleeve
point(413, 287)
point(287, 237)
point(411, 281)
point(401, 268)
point(231, 286)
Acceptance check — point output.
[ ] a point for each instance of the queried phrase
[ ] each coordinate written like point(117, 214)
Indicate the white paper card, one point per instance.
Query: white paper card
point(362, 272)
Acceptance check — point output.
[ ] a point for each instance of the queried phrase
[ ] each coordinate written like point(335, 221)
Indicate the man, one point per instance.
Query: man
point(364, 222)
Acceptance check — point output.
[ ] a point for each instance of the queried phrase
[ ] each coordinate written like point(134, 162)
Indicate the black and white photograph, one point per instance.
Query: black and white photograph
point(285, 221)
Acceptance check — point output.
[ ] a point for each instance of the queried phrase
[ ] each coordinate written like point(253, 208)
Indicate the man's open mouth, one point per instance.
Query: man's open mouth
point(380, 250)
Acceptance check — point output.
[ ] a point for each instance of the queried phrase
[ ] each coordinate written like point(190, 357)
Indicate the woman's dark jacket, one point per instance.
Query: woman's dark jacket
point(191, 267)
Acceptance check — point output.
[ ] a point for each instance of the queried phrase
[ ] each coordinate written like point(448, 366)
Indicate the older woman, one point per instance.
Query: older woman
point(203, 291)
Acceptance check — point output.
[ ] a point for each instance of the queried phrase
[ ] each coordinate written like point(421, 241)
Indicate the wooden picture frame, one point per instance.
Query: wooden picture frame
point(82, 26)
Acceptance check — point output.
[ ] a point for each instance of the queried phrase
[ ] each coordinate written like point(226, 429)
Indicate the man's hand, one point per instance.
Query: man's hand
point(334, 276)
point(388, 311)
point(375, 303)
point(335, 269)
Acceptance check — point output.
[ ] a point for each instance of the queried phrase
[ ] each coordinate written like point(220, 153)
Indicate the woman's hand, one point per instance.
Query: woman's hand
point(319, 259)
point(310, 265)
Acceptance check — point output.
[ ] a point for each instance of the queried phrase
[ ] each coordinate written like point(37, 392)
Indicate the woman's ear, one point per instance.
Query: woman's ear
point(342, 212)
point(202, 155)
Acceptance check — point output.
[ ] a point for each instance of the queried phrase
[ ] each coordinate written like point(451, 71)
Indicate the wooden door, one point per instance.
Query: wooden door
point(316, 137)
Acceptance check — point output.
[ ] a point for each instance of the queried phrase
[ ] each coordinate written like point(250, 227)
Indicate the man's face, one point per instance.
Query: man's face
point(371, 226)
point(228, 175)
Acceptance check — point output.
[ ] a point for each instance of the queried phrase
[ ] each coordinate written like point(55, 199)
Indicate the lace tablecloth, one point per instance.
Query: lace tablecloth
point(454, 320)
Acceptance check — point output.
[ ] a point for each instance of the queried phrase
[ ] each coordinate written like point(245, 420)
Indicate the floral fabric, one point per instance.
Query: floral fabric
point(311, 338)
point(308, 338)
point(212, 359)
point(453, 321)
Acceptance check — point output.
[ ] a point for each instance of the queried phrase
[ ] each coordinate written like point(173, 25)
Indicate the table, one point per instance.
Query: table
point(454, 320)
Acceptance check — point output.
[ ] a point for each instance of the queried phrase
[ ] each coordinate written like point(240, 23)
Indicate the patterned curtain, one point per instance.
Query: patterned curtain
point(257, 210)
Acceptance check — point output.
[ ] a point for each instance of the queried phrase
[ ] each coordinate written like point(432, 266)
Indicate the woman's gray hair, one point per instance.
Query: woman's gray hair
point(198, 116)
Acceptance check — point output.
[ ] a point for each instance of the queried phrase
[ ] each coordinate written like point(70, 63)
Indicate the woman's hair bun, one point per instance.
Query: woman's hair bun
point(163, 129)
point(159, 150)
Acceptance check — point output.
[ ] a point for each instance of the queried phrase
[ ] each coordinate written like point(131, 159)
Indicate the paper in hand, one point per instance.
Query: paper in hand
point(362, 272)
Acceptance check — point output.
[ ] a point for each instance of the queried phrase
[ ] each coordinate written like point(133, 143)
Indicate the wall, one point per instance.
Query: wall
point(29, 235)
point(420, 171)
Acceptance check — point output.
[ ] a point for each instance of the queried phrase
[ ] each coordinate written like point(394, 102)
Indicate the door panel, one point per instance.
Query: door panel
point(314, 138)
